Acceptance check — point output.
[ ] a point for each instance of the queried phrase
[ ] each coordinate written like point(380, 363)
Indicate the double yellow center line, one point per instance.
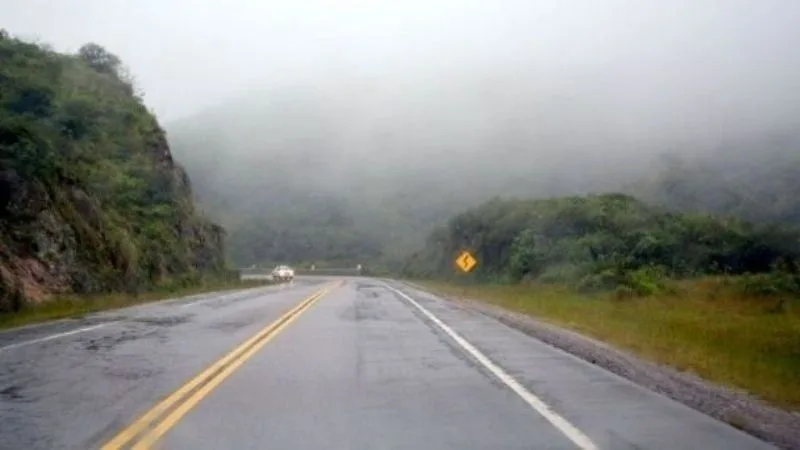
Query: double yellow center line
point(153, 424)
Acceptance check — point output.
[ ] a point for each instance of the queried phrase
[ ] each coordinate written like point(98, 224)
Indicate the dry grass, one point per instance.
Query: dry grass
point(73, 306)
point(707, 327)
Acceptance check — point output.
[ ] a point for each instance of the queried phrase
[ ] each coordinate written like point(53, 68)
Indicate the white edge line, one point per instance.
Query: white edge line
point(94, 327)
point(33, 326)
point(55, 336)
point(566, 428)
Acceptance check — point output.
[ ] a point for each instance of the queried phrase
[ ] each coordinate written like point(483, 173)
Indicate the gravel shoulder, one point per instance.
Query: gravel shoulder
point(737, 408)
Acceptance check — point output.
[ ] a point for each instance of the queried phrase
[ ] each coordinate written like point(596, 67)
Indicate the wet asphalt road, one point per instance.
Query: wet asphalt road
point(364, 367)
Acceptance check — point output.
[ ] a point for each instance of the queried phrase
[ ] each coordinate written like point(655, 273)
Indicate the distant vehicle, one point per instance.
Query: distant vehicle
point(283, 273)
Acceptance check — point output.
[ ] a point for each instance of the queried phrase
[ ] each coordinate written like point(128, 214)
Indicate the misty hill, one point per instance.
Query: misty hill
point(364, 169)
point(753, 179)
point(390, 159)
point(91, 197)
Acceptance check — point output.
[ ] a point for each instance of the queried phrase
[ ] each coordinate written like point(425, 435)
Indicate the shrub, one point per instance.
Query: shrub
point(563, 273)
point(648, 280)
point(11, 297)
point(777, 282)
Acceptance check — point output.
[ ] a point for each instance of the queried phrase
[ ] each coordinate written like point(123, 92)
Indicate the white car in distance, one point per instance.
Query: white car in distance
point(283, 273)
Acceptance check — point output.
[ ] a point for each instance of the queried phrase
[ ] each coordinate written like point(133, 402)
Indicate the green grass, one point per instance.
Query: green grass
point(707, 327)
point(74, 306)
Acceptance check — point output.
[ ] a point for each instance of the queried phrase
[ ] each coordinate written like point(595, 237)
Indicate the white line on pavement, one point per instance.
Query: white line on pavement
point(569, 430)
point(55, 336)
point(94, 327)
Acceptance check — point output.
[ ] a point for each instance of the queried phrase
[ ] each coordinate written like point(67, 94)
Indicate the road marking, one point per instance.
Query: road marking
point(104, 324)
point(177, 414)
point(188, 395)
point(94, 327)
point(566, 428)
point(55, 336)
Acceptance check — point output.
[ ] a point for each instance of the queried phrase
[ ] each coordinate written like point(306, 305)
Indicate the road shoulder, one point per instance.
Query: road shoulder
point(737, 408)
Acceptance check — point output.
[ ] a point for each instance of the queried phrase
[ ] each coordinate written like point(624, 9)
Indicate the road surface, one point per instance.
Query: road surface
point(334, 363)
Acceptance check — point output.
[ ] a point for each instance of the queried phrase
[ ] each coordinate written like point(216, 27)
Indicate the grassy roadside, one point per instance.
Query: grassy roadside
point(707, 327)
point(71, 306)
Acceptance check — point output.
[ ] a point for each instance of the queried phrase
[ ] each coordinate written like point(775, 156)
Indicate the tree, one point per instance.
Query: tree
point(100, 59)
point(523, 258)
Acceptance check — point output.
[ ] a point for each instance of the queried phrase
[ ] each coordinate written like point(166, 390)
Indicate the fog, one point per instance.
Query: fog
point(666, 67)
point(440, 102)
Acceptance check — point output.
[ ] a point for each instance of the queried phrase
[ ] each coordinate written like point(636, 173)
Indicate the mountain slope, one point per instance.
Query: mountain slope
point(91, 197)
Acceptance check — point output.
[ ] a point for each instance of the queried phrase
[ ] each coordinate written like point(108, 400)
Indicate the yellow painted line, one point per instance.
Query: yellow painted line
point(239, 354)
point(177, 414)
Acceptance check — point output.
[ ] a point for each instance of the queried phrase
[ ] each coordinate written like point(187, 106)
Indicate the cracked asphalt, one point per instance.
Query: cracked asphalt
point(363, 367)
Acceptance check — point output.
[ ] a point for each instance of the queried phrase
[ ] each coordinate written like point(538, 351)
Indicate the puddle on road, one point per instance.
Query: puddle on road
point(232, 325)
point(105, 343)
point(12, 394)
point(132, 373)
point(367, 308)
point(361, 285)
point(163, 321)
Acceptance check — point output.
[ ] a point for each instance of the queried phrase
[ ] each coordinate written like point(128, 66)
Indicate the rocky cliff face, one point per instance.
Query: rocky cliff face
point(91, 199)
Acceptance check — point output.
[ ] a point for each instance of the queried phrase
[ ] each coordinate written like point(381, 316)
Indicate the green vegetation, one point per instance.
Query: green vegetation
point(91, 198)
point(610, 241)
point(708, 327)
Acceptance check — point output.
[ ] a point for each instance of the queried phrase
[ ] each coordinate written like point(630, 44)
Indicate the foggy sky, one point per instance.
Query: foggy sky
point(677, 66)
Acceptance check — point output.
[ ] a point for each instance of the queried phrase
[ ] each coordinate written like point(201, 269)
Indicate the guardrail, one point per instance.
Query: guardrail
point(329, 271)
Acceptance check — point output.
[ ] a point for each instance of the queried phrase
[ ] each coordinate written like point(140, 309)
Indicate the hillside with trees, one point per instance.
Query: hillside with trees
point(91, 197)
point(605, 241)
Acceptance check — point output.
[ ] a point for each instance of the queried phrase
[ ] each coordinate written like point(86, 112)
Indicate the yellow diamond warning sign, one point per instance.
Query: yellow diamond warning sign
point(466, 261)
